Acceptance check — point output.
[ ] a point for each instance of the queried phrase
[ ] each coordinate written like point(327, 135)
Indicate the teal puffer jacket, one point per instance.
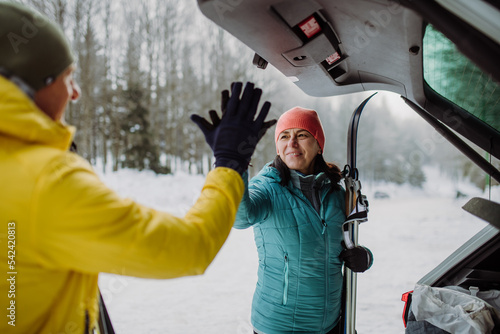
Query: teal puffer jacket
point(300, 274)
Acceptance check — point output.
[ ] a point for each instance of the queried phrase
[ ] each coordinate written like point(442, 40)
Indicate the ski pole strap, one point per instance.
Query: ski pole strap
point(347, 237)
point(359, 212)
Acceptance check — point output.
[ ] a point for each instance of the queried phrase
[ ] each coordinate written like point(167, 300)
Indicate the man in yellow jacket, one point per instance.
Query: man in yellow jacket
point(60, 226)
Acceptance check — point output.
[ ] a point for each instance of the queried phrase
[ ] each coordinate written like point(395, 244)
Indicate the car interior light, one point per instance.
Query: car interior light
point(310, 26)
point(333, 58)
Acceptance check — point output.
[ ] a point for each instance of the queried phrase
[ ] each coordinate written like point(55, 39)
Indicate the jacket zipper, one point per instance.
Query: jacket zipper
point(323, 222)
point(324, 232)
point(327, 275)
point(327, 253)
point(285, 283)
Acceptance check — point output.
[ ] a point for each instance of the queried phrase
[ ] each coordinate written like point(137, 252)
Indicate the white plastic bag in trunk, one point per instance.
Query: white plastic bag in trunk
point(453, 311)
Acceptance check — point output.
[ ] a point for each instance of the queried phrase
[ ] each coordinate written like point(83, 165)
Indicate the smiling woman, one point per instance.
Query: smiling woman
point(299, 139)
point(296, 208)
point(298, 148)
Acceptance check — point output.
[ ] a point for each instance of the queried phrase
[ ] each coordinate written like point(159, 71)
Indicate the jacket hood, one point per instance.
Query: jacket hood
point(269, 171)
point(21, 119)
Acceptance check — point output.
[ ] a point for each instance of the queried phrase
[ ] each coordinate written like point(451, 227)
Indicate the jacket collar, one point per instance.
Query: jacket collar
point(319, 179)
point(21, 119)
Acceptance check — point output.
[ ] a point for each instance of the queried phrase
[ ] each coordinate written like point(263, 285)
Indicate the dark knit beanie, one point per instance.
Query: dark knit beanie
point(32, 47)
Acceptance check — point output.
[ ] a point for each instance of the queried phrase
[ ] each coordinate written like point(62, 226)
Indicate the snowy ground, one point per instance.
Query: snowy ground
point(409, 234)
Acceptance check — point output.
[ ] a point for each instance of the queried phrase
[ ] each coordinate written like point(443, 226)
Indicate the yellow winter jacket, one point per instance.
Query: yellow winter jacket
point(60, 226)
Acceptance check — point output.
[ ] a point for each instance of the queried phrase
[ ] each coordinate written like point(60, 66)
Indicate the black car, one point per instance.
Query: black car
point(440, 56)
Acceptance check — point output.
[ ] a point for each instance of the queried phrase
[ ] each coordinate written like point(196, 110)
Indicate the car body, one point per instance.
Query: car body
point(335, 47)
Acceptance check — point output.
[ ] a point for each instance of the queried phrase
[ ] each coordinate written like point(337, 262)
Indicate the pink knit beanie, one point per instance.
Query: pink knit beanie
point(301, 118)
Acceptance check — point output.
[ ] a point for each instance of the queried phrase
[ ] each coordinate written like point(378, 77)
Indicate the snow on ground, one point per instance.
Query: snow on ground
point(409, 234)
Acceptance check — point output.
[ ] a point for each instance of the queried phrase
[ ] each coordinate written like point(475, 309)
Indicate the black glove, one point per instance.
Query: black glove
point(233, 137)
point(358, 259)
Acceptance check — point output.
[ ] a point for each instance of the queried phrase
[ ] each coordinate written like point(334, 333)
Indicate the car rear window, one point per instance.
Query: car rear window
point(457, 79)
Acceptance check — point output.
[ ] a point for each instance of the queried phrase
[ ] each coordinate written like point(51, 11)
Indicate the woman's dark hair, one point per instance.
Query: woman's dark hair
point(331, 170)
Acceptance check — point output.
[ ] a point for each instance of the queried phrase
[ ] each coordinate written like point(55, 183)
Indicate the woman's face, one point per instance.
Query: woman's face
point(298, 148)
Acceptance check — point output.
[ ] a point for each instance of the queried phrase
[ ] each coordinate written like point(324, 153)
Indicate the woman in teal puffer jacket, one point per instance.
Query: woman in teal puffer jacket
point(297, 209)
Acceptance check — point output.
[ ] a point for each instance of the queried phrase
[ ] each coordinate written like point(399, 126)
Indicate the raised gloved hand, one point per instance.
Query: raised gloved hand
point(234, 136)
point(358, 259)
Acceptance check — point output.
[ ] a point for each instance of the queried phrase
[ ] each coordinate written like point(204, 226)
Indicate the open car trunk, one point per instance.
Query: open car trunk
point(440, 56)
point(331, 48)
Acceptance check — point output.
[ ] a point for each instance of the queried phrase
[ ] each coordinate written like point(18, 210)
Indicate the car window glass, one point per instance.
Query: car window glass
point(457, 79)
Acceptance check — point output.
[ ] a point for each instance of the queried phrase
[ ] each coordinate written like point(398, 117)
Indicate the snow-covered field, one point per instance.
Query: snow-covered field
point(409, 234)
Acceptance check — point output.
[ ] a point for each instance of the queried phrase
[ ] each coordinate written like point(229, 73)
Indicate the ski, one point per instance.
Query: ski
point(356, 212)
